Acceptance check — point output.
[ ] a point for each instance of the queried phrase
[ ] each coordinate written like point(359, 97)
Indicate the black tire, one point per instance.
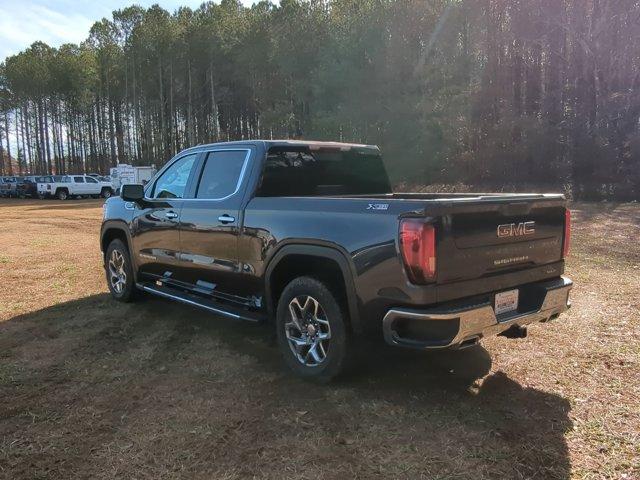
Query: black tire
point(128, 291)
point(62, 194)
point(106, 193)
point(337, 347)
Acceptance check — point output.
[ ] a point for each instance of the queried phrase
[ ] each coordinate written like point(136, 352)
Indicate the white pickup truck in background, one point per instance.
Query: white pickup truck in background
point(65, 186)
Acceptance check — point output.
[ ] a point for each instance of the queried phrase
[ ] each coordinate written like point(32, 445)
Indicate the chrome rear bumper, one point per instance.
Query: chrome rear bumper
point(468, 323)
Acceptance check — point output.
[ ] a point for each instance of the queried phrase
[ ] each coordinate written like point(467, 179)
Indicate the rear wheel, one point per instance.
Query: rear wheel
point(312, 332)
point(119, 272)
point(106, 193)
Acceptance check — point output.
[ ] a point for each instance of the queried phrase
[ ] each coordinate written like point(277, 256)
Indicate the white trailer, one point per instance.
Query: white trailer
point(124, 173)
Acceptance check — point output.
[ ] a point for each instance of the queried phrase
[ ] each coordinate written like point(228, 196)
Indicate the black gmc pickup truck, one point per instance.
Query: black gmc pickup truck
point(310, 236)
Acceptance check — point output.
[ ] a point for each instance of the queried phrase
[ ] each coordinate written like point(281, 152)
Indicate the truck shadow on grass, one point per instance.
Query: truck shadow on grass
point(155, 389)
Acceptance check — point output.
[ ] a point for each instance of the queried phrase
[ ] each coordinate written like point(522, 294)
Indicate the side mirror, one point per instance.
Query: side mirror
point(132, 192)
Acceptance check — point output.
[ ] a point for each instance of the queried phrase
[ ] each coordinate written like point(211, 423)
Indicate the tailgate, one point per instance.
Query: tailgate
point(499, 237)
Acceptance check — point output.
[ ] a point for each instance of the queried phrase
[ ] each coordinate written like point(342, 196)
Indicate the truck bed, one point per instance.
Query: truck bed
point(468, 246)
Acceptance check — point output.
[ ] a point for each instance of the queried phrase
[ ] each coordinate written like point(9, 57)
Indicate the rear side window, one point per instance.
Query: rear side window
point(301, 172)
point(221, 174)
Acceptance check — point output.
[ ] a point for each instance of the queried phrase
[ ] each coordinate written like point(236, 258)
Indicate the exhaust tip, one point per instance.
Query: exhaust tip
point(515, 332)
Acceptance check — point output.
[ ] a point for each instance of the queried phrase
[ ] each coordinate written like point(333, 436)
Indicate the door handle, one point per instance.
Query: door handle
point(226, 218)
point(171, 215)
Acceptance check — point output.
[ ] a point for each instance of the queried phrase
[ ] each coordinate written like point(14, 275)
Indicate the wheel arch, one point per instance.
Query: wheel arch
point(308, 259)
point(114, 229)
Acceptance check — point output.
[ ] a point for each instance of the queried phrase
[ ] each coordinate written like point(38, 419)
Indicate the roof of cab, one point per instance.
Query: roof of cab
point(286, 143)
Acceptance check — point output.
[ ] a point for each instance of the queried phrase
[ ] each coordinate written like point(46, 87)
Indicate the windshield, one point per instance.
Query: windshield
point(300, 172)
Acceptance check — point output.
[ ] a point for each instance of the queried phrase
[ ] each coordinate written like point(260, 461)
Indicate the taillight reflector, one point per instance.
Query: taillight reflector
point(418, 247)
point(567, 233)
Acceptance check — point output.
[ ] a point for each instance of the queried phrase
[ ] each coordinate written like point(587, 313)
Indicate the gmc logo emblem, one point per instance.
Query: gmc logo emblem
point(516, 229)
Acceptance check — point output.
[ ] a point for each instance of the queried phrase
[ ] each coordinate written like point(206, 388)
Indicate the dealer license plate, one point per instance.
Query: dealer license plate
point(506, 302)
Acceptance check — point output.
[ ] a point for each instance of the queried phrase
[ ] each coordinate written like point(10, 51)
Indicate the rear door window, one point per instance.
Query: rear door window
point(78, 179)
point(221, 175)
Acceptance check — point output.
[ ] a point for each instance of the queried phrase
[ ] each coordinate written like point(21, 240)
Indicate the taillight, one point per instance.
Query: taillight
point(567, 233)
point(418, 247)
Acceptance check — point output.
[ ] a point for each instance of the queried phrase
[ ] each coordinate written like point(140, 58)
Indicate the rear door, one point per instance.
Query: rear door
point(92, 186)
point(210, 223)
point(79, 186)
point(155, 234)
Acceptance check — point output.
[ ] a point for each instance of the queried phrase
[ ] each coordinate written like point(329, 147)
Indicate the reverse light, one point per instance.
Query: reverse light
point(418, 247)
point(567, 233)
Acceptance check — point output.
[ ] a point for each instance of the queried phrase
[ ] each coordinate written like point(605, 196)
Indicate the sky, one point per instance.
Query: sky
point(55, 22)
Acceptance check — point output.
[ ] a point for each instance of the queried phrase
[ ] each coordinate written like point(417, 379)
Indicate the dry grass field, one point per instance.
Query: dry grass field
point(90, 388)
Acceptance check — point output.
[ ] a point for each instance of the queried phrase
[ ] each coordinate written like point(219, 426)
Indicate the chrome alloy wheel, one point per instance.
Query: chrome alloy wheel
point(117, 275)
point(308, 331)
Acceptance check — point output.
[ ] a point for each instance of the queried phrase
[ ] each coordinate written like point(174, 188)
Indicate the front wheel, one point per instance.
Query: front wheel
point(312, 331)
point(119, 272)
point(62, 195)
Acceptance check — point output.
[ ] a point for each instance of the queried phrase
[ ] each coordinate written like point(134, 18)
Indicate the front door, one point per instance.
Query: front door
point(210, 223)
point(155, 234)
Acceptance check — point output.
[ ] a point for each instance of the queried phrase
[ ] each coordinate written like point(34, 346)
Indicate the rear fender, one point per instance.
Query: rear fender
point(324, 252)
